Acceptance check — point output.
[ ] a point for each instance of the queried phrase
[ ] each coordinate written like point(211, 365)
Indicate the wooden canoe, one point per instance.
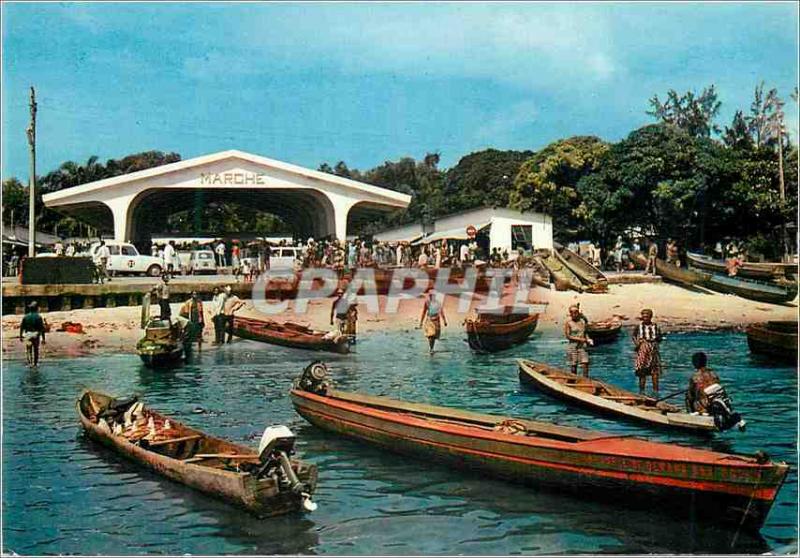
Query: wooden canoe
point(777, 339)
point(674, 274)
point(610, 400)
point(693, 483)
point(492, 332)
point(585, 271)
point(289, 334)
point(752, 290)
point(603, 332)
point(764, 271)
point(562, 276)
point(211, 465)
point(162, 344)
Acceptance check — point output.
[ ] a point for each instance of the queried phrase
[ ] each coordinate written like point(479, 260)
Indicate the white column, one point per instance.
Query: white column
point(341, 207)
point(119, 209)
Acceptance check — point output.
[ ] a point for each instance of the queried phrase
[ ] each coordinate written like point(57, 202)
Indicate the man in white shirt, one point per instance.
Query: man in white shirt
point(169, 258)
point(218, 315)
point(232, 304)
point(220, 251)
point(101, 261)
point(59, 248)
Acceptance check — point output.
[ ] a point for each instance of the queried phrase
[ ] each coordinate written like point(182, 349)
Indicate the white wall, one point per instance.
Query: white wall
point(541, 229)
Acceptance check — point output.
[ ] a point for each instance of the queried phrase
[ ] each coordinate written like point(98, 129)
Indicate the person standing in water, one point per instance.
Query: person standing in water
point(31, 331)
point(647, 338)
point(575, 332)
point(432, 318)
point(192, 310)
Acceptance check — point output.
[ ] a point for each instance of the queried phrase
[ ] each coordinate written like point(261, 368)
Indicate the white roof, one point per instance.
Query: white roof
point(389, 195)
point(459, 233)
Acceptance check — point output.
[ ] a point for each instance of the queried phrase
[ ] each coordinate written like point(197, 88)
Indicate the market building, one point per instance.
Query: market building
point(134, 207)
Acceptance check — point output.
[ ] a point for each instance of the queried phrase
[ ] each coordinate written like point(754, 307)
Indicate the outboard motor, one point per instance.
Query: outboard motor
point(720, 407)
point(314, 378)
point(277, 444)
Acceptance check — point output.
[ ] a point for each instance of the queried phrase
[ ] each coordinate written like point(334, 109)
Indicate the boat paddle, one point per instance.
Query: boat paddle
point(671, 395)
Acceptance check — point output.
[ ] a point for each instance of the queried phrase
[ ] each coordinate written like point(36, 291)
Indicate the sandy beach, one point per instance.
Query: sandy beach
point(676, 309)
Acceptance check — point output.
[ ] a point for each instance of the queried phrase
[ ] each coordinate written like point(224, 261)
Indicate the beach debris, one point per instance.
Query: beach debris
point(71, 327)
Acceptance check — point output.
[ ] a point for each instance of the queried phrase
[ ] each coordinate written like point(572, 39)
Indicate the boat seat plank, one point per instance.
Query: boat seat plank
point(175, 440)
point(203, 456)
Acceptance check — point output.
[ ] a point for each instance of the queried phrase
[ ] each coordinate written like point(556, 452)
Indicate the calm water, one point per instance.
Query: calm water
point(63, 494)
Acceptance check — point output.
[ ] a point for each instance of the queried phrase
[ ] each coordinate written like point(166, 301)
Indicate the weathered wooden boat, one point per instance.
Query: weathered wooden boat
point(674, 274)
point(753, 290)
point(764, 271)
point(289, 334)
point(265, 483)
point(608, 399)
point(692, 483)
point(585, 271)
point(495, 331)
point(162, 344)
point(562, 276)
point(777, 339)
point(604, 332)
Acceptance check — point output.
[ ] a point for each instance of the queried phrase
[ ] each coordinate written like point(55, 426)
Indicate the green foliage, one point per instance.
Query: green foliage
point(15, 201)
point(692, 114)
point(483, 179)
point(548, 180)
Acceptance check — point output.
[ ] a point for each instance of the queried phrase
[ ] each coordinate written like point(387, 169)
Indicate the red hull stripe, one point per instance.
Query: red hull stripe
point(766, 493)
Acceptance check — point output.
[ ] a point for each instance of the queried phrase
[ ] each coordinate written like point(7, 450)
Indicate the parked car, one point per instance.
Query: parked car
point(202, 261)
point(125, 258)
point(285, 257)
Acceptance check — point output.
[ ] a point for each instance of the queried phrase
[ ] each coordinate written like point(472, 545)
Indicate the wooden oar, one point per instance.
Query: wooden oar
point(671, 395)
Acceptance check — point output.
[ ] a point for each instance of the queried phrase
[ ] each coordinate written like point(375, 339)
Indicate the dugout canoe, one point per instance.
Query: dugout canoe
point(585, 271)
point(603, 332)
point(216, 467)
point(562, 276)
point(764, 271)
point(691, 483)
point(776, 339)
point(492, 332)
point(290, 334)
point(163, 343)
point(753, 290)
point(675, 274)
point(608, 399)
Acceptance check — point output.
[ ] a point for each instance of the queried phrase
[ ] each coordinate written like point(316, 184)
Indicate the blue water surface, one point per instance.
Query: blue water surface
point(64, 494)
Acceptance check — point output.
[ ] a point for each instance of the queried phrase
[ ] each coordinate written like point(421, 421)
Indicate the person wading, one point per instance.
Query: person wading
point(192, 310)
point(31, 331)
point(232, 304)
point(646, 339)
point(575, 332)
point(218, 315)
point(432, 318)
point(345, 310)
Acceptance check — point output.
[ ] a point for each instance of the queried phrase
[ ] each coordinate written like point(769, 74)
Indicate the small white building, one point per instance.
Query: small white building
point(505, 229)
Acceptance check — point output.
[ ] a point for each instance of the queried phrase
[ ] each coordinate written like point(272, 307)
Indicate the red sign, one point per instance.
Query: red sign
point(471, 231)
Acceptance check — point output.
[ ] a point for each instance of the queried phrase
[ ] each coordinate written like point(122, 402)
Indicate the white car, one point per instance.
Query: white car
point(284, 257)
point(125, 258)
point(202, 261)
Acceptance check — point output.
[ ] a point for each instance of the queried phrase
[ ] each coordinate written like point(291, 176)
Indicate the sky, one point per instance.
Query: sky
point(364, 83)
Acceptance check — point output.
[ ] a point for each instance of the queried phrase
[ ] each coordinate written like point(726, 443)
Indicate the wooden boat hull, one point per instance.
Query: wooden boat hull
point(563, 277)
point(165, 358)
point(487, 337)
point(258, 496)
point(603, 334)
point(774, 339)
point(706, 485)
point(674, 274)
point(609, 400)
point(292, 335)
point(764, 271)
point(585, 271)
point(761, 292)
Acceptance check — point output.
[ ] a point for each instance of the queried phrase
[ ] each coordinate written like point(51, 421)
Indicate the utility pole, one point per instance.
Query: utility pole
point(781, 184)
point(32, 185)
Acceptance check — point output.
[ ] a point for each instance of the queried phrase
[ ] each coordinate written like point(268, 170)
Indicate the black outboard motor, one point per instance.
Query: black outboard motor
point(314, 379)
point(277, 444)
point(720, 407)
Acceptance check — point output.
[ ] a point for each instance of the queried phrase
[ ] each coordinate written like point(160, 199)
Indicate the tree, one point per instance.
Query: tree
point(547, 181)
point(15, 201)
point(482, 179)
point(694, 115)
point(737, 136)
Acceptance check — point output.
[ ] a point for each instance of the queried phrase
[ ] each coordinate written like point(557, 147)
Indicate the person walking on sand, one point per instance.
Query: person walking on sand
point(646, 339)
point(218, 315)
point(192, 310)
point(220, 253)
point(31, 331)
point(432, 318)
point(575, 332)
point(652, 256)
point(232, 304)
